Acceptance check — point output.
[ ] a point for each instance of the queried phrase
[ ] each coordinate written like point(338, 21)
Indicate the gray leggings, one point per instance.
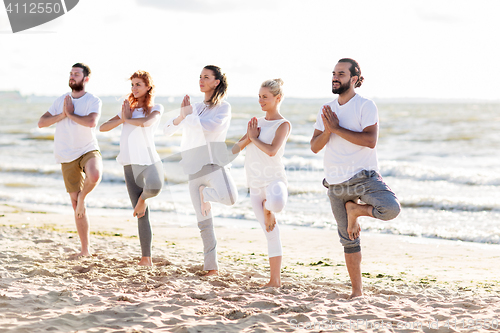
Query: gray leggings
point(371, 189)
point(219, 188)
point(146, 182)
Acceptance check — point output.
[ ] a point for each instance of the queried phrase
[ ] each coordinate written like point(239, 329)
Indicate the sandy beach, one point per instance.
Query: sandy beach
point(411, 284)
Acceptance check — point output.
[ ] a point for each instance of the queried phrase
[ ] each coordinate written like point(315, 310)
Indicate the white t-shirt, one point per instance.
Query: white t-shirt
point(344, 159)
point(262, 169)
point(137, 145)
point(72, 140)
point(203, 136)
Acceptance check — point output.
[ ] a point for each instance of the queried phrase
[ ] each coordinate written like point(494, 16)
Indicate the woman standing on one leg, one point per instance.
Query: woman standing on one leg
point(141, 163)
point(205, 157)
point(265, 141)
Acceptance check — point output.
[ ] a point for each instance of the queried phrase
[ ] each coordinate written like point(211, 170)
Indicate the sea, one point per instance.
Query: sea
point(441, 158)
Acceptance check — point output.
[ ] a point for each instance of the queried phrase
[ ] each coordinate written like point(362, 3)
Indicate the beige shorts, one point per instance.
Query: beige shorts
point(74, 172)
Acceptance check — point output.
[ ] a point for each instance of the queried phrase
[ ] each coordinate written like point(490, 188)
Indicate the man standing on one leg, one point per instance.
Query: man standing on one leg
point(75, 145)
point(348, 128)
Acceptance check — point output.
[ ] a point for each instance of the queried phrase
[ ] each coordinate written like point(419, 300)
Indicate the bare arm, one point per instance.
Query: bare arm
point(178, 120)
point(367, 138)
point(241, 144)
point(110, 124)
point(279, 137)
point(143, 122)
point(87, 121)
point(48, 119)
point(319, 140)
point(149, 120)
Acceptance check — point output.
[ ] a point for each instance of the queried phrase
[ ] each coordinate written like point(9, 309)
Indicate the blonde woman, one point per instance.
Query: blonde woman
point(141, 163)
point(265, 143)
point(205, 157)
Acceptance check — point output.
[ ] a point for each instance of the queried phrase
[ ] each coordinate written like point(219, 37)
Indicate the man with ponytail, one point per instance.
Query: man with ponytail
point(347, 128)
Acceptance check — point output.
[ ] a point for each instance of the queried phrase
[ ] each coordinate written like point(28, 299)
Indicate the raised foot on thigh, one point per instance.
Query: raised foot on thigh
point(269, 218)
point(353, 212)
point(140, 208)
point(205, 206)
point(80, 209)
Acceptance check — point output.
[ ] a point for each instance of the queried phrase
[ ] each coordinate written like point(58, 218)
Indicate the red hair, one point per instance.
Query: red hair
point(149, 98)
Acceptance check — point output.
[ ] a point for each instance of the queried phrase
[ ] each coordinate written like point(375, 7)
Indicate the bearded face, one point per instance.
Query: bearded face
point(339, 87)
point(76, 86)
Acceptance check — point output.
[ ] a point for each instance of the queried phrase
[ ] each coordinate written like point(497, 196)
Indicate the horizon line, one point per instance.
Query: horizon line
point(375, 98)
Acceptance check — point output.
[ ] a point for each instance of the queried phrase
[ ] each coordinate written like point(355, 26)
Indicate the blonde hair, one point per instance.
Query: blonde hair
point(275, 87)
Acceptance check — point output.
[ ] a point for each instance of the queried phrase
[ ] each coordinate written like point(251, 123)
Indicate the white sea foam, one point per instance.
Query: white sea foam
point(422, 172)
point(441, 161)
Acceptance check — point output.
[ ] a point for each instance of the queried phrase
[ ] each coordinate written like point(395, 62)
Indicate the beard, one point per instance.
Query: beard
point(76, 86)
point(342, 88)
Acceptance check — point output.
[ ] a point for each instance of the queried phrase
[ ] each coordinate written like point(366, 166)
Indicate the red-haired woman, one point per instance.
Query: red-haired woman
point(141, 163)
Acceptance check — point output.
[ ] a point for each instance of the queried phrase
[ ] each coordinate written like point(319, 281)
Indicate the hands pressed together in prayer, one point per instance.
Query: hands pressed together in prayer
point(253, 129)
point(186, 107)
point(68, 108)
point(330, 119)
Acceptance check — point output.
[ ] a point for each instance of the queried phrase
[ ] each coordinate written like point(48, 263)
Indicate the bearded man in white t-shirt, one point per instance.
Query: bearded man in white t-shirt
point(75, 145)
point(347, 128)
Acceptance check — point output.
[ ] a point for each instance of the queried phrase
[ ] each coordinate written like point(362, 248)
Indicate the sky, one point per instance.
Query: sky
point(445, 49)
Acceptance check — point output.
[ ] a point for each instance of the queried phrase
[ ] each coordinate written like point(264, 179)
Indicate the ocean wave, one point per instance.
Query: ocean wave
point(40, 133)
point(297, 138)
point(421, 172)
point(31, 169)
point(465, 237)
point(450, 205)
point(299, 163)
point(109, 175)
point(18, 185)
point(172, 174)
point(41, 136)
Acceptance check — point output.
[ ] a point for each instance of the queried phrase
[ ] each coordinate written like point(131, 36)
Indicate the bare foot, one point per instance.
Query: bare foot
point(273, 284)
point(269, 218)
point(353, 212)
point(140, 208)
point(80, 209)
point(212, 272)
point(205, 206)
point(355, 294)
point(145, 261)
point(79, 255)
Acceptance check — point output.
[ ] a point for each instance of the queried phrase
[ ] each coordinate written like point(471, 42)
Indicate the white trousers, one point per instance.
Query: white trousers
point(219, 188)
point(276, 195)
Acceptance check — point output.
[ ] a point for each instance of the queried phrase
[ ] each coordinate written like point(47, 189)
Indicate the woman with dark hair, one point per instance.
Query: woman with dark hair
point(265, 142)
point(141, 163)
point(204, 155)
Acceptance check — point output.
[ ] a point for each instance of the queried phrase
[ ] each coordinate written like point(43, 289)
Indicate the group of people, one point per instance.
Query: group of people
point(347, 128)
